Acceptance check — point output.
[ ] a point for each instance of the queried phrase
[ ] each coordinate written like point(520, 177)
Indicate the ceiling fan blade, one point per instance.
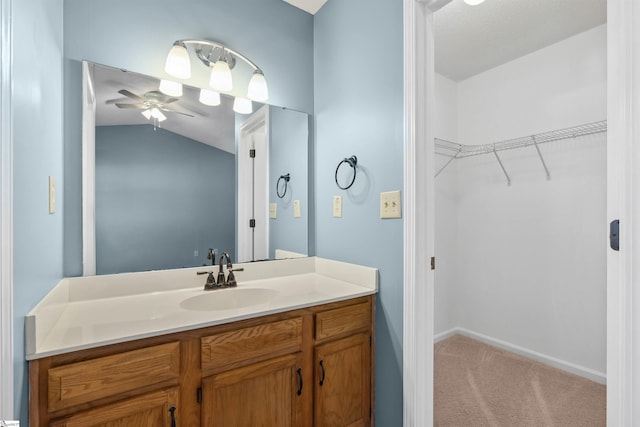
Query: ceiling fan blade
point(138, 106)
point(177, 112)
point(131, 95)
point(115, 100)
point(169, 100)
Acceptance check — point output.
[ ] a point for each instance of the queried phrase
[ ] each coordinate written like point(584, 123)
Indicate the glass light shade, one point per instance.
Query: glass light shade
point(147, 114)
point(171, 88)
point(209, 97)
point(221, 76)
point(473, 2)
point(178, 64)
point(242, 105)
point(157, 114)
point(257, 89)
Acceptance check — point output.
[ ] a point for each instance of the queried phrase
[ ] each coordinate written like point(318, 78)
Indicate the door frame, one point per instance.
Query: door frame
point(6, 215)
point(623, 188)
point(258, 120)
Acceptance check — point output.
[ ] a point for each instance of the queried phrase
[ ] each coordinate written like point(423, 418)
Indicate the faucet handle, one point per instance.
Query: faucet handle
point(231, 278)
point(211, 281)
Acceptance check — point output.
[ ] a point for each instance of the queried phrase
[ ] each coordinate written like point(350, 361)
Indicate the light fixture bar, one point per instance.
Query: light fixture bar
point(206, 61)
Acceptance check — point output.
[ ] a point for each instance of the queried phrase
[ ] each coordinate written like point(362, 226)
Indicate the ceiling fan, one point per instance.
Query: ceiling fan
point(152, 103)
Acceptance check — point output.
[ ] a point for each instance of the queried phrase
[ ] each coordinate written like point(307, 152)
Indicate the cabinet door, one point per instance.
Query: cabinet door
point(343, 382)
point(267, 394)
point(149, 410)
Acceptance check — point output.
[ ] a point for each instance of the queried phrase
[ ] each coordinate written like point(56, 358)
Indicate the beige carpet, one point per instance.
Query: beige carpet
point(480, 385)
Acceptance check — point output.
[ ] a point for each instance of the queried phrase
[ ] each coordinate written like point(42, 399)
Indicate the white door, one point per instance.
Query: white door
point(623, 188)
point(253, 187)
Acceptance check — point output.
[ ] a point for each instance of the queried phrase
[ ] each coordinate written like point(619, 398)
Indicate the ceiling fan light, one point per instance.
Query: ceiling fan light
point(221, 76)
point(257, 90)
point(157, 114)
point(178, 64)
point(209, 97)
point(242, 105)
point(147, 114)
point(473, 2)
point(170, 88)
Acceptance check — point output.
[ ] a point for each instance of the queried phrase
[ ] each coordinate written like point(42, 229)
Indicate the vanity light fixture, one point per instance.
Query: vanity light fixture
point(209, 97)
point(242, 105)
point(171, 88)
point(221, 60)
point(473, 2)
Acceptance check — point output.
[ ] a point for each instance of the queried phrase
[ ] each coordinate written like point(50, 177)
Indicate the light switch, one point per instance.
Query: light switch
point(52, 195)
point(296, 208)
point(337, 206)
point(390, 205)
point(273, 210)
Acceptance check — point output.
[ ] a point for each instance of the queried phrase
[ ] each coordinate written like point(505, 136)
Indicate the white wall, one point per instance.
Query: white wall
point(530, 266)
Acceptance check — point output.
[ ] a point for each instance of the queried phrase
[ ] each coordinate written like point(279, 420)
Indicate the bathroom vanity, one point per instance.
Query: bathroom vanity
point(290, 346)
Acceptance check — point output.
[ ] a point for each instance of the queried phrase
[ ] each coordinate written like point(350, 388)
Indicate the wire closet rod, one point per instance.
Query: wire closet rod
point(457, 151)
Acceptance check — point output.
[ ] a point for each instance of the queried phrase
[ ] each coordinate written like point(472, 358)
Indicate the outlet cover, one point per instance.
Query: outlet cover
point(273, 210)
point(337, 206)
point(52, 195)
point(390, 205)
point(296, 208)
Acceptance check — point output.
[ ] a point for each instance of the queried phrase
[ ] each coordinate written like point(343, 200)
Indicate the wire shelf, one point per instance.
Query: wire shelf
point(452, 149)
point(457, 151)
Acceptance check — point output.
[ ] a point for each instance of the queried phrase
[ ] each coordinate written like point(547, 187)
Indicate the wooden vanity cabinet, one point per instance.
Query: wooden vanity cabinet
point(307, 367)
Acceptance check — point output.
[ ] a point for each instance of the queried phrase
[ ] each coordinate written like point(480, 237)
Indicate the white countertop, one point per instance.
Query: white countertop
point(86, 312)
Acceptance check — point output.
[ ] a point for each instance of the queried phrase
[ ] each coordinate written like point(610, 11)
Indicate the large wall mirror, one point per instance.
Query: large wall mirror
point(163, 187)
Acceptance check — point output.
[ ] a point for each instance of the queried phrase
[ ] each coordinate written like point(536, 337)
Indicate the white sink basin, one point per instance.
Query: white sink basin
point(229, 299)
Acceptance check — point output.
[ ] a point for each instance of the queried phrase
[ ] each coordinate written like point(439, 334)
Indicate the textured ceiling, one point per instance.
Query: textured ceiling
point(311, 6)
point(473, 39)
point(210, 125)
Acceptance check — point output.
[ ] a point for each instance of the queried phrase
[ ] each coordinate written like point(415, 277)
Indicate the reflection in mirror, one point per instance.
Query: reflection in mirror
point(163, 182)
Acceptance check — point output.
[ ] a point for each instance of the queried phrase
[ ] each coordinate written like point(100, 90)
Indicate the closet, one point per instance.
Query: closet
point(521, 232)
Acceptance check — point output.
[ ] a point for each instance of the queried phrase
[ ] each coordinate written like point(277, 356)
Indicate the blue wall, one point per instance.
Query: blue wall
point(288, 154)
point(37, 150)
point(160, 197)
point(358, 110)
point(138, 35)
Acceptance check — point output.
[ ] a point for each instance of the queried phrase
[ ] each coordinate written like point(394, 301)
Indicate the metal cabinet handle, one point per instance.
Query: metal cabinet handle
point(299, 371)
point(322, 366)
point(173, 416)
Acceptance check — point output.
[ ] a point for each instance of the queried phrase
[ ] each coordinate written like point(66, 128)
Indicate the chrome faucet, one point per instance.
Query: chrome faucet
point(230, 281)
point(222, 281)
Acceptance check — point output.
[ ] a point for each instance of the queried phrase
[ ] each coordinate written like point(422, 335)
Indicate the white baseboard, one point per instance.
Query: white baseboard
point(581, 371)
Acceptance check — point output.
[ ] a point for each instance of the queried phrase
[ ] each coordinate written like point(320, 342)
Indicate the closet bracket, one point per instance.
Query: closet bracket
point(502, 166)
point(544, 164)
point(448, 162)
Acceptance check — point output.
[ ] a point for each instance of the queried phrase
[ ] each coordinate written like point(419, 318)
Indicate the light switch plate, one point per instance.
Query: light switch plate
point(52, 195)
point(296, 208)
point(390, 205)
point(273, 210)
point(337, 206)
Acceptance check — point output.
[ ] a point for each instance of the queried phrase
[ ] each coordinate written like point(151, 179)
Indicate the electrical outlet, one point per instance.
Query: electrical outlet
point(273, 210)
point(296, 208)
point(195, 253)
point(337, 206)
point(52, 195)
point(390, 205)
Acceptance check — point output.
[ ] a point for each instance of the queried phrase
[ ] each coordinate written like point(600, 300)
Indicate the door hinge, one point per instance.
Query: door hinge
point(252, 153)
point(614, 235)
point(199, 395)
point(433, 263)
point(252, 223)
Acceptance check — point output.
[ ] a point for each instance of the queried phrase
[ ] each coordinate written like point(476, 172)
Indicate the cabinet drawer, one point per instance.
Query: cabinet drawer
point(343, 320)
point(253, 343)
point(94, 379)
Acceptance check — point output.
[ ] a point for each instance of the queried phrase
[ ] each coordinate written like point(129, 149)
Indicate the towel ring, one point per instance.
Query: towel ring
point(351, 161)
point(286, 180)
